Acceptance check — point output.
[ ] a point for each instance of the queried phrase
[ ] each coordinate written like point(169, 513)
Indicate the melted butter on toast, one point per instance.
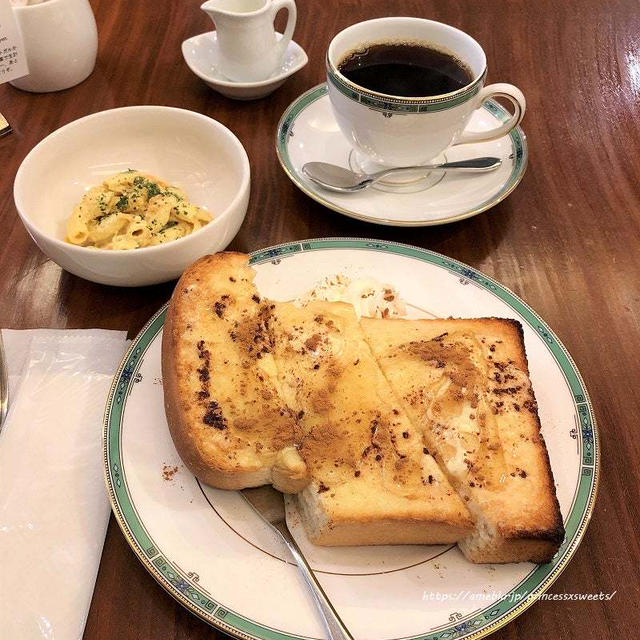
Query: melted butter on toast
point(451, 401)
point(353, 428)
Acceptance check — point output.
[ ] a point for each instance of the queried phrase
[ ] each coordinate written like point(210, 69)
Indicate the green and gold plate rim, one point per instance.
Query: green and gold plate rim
point(285, 126)
point(474, 626)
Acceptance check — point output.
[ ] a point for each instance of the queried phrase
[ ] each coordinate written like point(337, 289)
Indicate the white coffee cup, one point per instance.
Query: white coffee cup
point(401, 131)
point(250, 50)
point(60, 42)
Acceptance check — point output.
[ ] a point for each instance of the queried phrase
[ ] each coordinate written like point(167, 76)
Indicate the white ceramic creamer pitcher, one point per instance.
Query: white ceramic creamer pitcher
point(250, 49)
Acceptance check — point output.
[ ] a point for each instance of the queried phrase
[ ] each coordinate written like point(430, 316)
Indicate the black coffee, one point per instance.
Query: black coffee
point(405, 69)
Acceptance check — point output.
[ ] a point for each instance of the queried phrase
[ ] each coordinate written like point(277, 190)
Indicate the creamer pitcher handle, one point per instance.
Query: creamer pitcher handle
point(292, 12)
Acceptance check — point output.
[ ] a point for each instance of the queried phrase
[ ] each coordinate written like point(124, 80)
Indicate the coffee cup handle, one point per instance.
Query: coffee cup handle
point(292, 12)
point(498, 90)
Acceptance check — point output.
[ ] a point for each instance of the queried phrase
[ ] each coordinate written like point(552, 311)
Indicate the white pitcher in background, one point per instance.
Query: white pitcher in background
point(250, 49)
point(60, 41)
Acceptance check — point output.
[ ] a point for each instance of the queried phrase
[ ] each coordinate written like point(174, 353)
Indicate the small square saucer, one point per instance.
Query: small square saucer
point(201, 55)
point(309, 132)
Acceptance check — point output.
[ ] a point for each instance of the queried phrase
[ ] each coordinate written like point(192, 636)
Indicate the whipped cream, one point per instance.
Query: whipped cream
point(369, 297)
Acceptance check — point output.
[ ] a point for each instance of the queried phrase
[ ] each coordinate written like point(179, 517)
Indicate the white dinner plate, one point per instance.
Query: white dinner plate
point(212, 553)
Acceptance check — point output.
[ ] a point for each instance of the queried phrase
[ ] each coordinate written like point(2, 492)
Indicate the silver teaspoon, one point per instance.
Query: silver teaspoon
point(335, 178)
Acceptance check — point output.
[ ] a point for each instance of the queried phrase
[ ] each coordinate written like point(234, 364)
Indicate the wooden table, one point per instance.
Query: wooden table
point(567, 241)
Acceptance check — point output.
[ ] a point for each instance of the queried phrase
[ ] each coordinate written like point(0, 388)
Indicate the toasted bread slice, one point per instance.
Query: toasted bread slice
point(371, 480)
point(222, 403)
point(465, 385)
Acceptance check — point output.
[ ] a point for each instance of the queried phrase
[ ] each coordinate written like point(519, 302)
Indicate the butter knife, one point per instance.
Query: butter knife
point(269, 505)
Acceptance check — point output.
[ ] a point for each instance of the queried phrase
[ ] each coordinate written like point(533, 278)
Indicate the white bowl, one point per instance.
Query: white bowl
point(201, 55)
point(185, 148)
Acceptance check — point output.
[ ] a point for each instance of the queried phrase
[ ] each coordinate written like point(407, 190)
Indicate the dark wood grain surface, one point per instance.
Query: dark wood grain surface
point(567, 241)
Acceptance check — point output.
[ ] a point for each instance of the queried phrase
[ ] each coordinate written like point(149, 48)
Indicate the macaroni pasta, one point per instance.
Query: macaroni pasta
point(131, 210)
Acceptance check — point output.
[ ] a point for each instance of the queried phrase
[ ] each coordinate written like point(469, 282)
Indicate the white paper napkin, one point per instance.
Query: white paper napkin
point(53, 504)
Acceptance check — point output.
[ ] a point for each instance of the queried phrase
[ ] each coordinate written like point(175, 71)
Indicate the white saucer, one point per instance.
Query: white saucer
point(308, 132)
point(201, 55)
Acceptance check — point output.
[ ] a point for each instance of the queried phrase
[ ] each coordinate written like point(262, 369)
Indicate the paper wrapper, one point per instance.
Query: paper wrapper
point(53, 504)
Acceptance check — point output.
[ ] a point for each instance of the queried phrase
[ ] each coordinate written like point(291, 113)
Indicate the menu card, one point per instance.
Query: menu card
point(13, 61)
